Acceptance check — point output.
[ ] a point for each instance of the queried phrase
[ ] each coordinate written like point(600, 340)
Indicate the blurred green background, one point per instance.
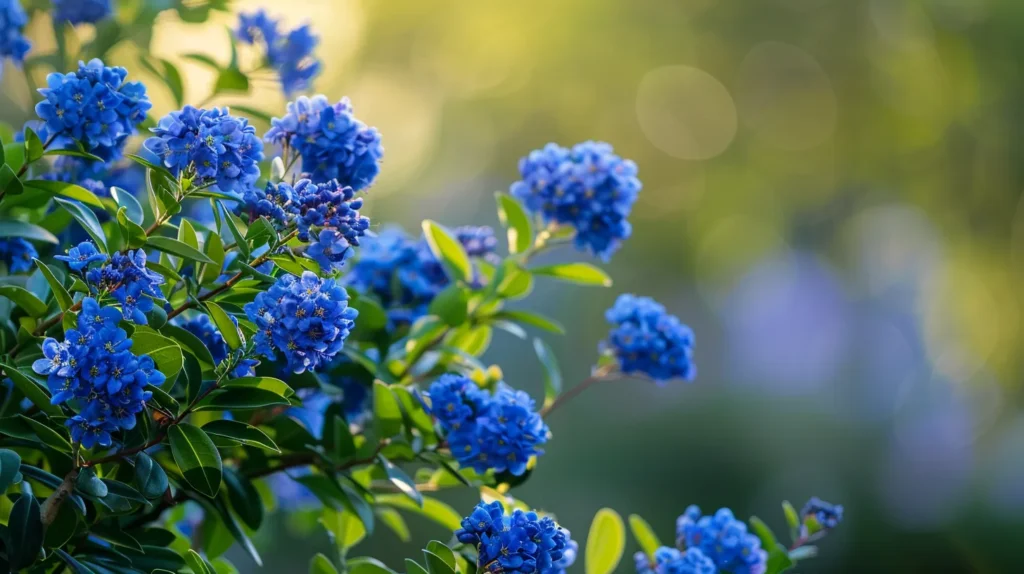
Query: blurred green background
point(831, 200)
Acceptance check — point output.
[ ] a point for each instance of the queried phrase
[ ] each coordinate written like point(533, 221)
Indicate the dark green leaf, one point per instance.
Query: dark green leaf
point(62, 528)
point(579, 273)
point(513, 217)
point(123, 490)
point(33, 145)
point(10, 463)
point(35, 393)
point(244, 499)
point(24, 299)
point(50, 437)
point(240, 398)
point(75, 566)
point(10, 184)
point(68, 190)
point(412, 567)
point(18, 228)
point(231, 80)
point(149, 476)
point(366, 565)
point(133, 210)
point(117, 536)
point(178, 248)
point(87, 219)
point(203, 59)
point(234, 227)
point(25, 533)
point(197, 457)
point(188, 341)
point(276, 386)
point(605, 543)
point(778, 556)
point(64, 298)
point(240, 432)
point(320, 564)
point(197, 564)
point(401, 480)
point(437, 565)
point(448, 251)
point(225, 325)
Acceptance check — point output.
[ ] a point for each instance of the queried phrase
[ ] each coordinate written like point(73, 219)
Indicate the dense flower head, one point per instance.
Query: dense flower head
point(127, 279)
point(648, 341)
point(723, 539)
point(12, 42)
point(219, 149)
point(94, 366)
point(81, 11)
point(587, 187)
point(94, 105)
point(17, 253)
point(332, 143)
point(289, 53)
point(307, 319)
point(275, 202)
point(478, 240)
point(517, 542)
point(819, 515)
point(499, 431)
point(672, 561)
point(202, 327)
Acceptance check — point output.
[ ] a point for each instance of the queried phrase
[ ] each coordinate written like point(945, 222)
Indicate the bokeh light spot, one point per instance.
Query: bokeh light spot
point(685, 112)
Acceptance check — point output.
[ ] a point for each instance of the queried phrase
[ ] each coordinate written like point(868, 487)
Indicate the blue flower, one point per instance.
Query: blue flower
point(306, 319)
point(291, 54)
point(130, 282)
point(81, 11)
point(329, 250)
point(12, 19)
point(646, 340)
point(519, 542)
point(276, 202)
point(499, 432)
point(81, 256)
point(94, 366)
point(94, 106)
point(672, 561)
point(202, 327)
point(723, 539)
point(17, 253)
point(221, 150)
point(332, 143)
point(818, 515)
point(588, 188)
point(478, 241)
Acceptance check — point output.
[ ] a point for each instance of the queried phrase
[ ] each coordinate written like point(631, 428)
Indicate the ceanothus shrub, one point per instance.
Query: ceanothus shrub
point(202, 321)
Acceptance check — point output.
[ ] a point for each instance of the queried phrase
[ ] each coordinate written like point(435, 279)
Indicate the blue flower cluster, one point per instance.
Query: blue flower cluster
point(77, 12)
point(12, 42)
point(818, 515)
point(723, 539)
point(202, 327)
point(332, 143)
point(648, 341)
point(517, 542)
point(95, 366)
point(124, 276)
point(499, 431)
point(672, 561)
point(478, 241)
point(291, 53)
point(220, 149)
point(95, 106)
point(17, 253)
point(275, 202)
point(307, 319)
point(587, 187)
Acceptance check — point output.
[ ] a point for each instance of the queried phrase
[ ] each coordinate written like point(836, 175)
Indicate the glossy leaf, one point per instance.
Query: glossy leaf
point(35, 393)
point(63, 189)
point(432, 508)
point(605, 542)
point(448, 250)
point(225, 325)
point(24, 299)
point(578, 273)
point(197, 457)
point(401, 480)
point(150, 477)
point(87, 219)
point(10, 463)
point(320, 564)
point(552, 374)
point(517, 224)
point(25, 533)
point(241, 433)
point(243, 498)
point(240, 398)
point(64, 299)
point(23, 229)
point(177, 248)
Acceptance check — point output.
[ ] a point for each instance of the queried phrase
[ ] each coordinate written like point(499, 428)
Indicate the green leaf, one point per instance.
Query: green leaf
point(276, 386)
point(436, 564)
point(133, 210)
point(243, 498)
point(240, 398)
point(188, 341)
point(241, 433)
point(225, 325)
point(149, 476)
point(10, 184)
point(531, 318)
point(605, 543)
point(62, 528)
point(197, 564)
point(165, 352)
point(14, 155)
point(552, 374)
point(412, 567)
point(579, 273)
point(644, 535)
point(197, 457)
point(214, 249)
point(395, 522)
point(252, 112)
point(345, 527)
point(10, 462)
point(33, 145)
point(451, 305)
point(74, 153)
point(118, 488)
point(24, 532)
point(231, 80)
point(133, 233)
point(320, 564)
point(178, 248)
point(448, 251)
point(68, 190)
point(64, 298)
point(366, 565)
point(337, 436)
point(401, 480)
point(187, 234)
point(18, 228)
point(387, 415)
point(90, 484)
point(35, 392)
point(48, 435)
point(443, 552)
point(517, 224)
point(87, 219)
point(778, 556)
point(432, 508)
point(513, 282)
point(372, 317)
point(24, 299)
point(792, 519)
point(203, 59)
point(75, 566)
point(234, 227)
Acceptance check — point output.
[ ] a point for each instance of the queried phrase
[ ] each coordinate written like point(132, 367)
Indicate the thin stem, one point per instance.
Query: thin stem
point(303, 459)
point(602, 374)
point(46, 146)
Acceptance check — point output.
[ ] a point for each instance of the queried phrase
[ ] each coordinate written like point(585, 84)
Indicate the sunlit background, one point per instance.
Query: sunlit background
point(831, 200)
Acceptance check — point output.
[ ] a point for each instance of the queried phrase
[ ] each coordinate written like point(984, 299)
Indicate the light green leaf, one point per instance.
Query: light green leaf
point(68, 190)
point(64, 298)
point(432, 508)
point(197, 457)
point(87, 219)
point(387, 415)
point(197, 564)
point(320, 564)
point(448, 251)
point(605, 543)
point(276, 386)
point(33, 145)
point(231, 80)
point(178, 248)
point(366, 565)
point(24, 299)
point(579, 273)
point(225, 325)
point(401, 480)
point(451, 305)
point(644, 535)
point(345, 527)
point(517, 224)
point(531, 318)
point(552, 374)
point(18, 228)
